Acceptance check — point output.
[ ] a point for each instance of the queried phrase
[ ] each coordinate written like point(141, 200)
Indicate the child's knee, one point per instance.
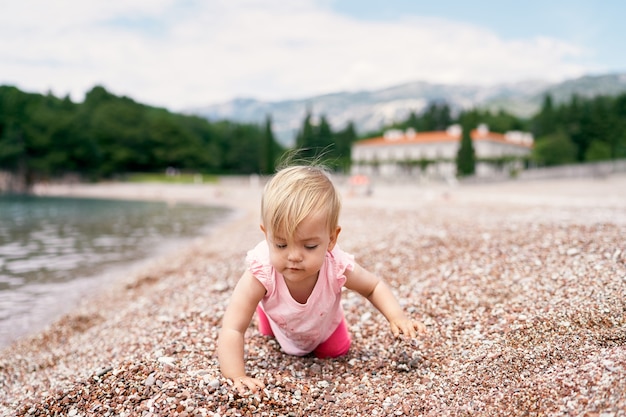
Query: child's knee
point(336, 345)
point(325, 351)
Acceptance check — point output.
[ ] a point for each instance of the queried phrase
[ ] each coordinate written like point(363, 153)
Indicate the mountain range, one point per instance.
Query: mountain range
point(371, 110)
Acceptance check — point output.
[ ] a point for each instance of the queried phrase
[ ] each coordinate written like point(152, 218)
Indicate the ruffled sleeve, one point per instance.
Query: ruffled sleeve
point(340, 263)
point(258, 263)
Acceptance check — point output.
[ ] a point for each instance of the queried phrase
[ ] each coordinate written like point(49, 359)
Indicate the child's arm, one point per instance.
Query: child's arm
point(378, 293)
point(244, 300)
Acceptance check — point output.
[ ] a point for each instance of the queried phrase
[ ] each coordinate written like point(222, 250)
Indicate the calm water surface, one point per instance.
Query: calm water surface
point(55, 250)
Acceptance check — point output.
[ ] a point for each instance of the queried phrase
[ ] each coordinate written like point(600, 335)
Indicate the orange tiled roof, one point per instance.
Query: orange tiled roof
point(438, 136)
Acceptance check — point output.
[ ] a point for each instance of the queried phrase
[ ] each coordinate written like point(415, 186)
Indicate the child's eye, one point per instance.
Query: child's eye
point(311, 247)
point(281, 245)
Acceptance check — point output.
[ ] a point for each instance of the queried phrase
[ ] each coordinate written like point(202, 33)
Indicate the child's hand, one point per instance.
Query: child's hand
point(244, 383)
point(407, 327)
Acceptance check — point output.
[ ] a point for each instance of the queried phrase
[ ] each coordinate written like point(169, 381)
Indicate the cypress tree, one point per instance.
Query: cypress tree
point(466, 158)
point(305, 141)
point(343, 142)
point(268, 158)
point(324, 141)
point(545, 122)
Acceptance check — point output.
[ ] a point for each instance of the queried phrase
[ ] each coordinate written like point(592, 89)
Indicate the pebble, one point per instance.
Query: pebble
point(167, 360)
point(150, 380)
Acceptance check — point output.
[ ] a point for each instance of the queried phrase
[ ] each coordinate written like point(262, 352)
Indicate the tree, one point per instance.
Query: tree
point(619, 109)
point(305, 138)
point(545, 122)
point(268, 156)
point(31, 129)
point(598, 151)
point(555, 149)
point(435, 117)
point(13, 116)
point(466, 158)
point(412, 121)
point(596, 125)
point(343, 146)
point(323, 140)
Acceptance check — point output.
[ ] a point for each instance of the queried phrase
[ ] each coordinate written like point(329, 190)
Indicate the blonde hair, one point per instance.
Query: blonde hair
point(293, 194)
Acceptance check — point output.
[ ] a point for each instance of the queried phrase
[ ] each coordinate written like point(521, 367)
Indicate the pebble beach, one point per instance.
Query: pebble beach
point(521, 284)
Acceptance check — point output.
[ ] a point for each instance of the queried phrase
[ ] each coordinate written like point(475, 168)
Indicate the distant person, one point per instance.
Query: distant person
point(295, 276)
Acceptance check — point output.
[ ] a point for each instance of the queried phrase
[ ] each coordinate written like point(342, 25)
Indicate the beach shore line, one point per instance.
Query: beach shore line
point(605, 195)
point(521, 285)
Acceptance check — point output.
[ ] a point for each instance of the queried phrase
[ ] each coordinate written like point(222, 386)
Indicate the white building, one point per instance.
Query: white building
point(433, 154)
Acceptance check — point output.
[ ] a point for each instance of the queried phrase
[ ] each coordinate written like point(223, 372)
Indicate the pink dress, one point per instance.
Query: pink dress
point(300, 328)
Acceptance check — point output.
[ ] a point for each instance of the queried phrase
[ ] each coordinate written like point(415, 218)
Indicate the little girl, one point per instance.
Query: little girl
point(295, 276)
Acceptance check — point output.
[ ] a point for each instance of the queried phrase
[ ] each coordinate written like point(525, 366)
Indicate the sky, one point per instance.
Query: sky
point(185, 54)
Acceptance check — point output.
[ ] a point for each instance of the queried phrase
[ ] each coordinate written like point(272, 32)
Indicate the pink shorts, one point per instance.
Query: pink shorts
point(336, 345)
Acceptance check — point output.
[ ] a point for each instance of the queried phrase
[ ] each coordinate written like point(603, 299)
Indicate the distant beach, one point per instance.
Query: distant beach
point(520, 283)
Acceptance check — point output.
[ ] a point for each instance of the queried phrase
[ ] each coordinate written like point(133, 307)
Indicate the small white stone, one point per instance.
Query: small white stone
point(150, 380)
point(323, 384)
point(167, 360)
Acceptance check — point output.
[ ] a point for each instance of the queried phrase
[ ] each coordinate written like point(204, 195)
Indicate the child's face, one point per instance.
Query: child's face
point(300, 258)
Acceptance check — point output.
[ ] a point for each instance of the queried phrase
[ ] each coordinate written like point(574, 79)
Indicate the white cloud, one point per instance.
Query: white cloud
point(160, 53)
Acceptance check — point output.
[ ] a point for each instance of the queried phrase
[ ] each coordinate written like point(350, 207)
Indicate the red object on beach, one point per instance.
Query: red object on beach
point(359, 180)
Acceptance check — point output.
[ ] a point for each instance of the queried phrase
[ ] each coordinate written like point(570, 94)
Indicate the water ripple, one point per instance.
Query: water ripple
point(49, 247)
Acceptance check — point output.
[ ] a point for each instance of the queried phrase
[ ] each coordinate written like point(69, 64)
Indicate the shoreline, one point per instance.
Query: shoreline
point(56, 297)
point(234, 194)
point(519, 284)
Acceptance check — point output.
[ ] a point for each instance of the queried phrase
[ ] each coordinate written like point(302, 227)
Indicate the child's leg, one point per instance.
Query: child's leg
point(263, 322)
point(336, 345)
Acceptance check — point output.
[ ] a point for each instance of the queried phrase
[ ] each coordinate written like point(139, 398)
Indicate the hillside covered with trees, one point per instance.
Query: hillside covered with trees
point(43, 137)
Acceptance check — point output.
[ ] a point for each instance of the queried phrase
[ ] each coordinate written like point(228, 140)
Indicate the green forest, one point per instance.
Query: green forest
point(43, 137)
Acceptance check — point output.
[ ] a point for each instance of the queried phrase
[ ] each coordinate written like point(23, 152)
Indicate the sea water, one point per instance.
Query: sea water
point(55, 250)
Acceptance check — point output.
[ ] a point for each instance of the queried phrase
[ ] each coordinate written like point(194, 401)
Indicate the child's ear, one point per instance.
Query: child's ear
point(333, 238)
point(263, 229)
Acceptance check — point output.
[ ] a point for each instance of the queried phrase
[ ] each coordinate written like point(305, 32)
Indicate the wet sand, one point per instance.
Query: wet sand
point(522, 286)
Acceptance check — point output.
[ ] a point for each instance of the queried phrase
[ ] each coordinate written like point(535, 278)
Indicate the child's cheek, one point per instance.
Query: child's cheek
point(276, 260)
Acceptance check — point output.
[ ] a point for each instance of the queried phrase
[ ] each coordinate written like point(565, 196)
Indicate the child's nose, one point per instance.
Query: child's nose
point(294, 256)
